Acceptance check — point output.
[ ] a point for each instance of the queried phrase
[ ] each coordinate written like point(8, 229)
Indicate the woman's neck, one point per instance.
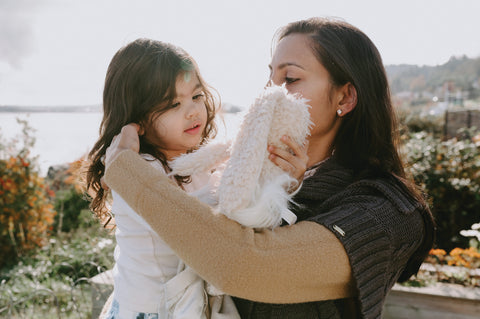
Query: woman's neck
point(318, 150)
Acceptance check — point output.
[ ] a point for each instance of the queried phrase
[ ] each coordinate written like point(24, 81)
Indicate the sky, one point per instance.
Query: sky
point(56, 52)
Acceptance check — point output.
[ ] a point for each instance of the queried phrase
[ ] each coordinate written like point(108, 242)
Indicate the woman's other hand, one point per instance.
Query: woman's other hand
point(126, 140)
point(294, 162)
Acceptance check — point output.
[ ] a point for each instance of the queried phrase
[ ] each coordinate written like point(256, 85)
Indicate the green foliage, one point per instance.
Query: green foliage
point(51, 278)
point(416, 120)
point(54, 280)
point(71, 202)
point(26, 209)
point(72, 209)
point(449, 172)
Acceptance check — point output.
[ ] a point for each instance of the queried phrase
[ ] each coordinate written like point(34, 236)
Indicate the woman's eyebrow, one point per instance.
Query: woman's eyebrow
point(285, 64)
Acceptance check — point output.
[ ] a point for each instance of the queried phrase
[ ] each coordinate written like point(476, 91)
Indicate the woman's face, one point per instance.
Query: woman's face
point(295, 64)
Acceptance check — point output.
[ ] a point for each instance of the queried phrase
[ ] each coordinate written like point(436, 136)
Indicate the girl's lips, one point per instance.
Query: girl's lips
point(194, 130)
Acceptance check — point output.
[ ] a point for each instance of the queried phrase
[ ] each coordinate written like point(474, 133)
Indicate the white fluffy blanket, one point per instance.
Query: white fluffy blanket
point(252, 190)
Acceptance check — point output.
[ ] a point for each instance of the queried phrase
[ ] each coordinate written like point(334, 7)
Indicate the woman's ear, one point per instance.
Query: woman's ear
point(347, 99)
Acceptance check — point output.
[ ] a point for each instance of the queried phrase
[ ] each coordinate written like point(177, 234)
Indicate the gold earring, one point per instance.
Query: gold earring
point(339, 112)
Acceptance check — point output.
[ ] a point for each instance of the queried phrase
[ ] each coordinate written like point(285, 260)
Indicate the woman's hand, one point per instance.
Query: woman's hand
point(294, 162)
point(126, 140)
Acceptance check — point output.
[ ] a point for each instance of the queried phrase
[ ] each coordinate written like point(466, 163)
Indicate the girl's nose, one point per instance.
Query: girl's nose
point(193, 110)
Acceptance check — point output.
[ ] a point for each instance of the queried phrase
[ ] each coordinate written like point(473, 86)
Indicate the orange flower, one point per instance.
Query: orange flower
point(24, 164)
point(437, 252)
point(456, 251)
point(472, 252)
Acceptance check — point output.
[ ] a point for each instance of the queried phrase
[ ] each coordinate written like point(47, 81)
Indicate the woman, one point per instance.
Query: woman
point(362, 225)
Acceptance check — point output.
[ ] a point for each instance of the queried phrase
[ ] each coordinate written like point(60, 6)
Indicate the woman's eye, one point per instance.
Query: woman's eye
point(197, 96)
point(174, 105)
point(290, 80)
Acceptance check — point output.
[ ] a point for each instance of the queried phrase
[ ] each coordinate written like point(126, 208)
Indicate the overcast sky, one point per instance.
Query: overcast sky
point(55, 52)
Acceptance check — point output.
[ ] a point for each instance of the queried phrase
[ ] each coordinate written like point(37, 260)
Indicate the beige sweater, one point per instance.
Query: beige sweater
point(299, 263)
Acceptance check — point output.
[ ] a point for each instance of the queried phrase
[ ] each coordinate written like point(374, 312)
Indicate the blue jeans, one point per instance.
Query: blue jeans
point(114, 311)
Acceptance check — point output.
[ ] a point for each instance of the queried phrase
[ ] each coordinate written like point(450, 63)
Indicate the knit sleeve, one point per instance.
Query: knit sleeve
point(379, 240)
point(292, 264)
point(368, 249)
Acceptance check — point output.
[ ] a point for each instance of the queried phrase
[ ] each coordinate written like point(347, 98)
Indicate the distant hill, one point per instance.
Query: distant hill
point(458, 74)
point(63, 109)
point(462, 73)
point(226, 107)
point(230, 108)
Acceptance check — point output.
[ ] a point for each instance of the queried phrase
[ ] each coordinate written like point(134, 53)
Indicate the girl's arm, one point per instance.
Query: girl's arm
point(299, 263)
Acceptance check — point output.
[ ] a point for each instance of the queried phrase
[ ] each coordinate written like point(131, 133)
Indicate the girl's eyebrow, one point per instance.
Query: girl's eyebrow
point(195, 88)
point(198, 86)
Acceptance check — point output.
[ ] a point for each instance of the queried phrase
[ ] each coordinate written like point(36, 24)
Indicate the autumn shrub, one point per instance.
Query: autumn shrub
point(449, 172)
point(26, 203)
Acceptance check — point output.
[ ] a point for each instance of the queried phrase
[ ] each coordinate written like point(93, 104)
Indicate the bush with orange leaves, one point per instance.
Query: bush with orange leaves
point(26, 203)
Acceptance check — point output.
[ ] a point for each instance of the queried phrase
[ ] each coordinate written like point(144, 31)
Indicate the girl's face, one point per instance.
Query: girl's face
point(181, 127)
point(295, 64)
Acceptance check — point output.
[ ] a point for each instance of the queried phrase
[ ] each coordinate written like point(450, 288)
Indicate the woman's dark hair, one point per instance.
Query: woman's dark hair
point(140, 86)
point(368, 138)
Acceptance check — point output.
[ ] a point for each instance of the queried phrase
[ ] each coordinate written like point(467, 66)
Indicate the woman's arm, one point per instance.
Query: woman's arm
point(298, 263)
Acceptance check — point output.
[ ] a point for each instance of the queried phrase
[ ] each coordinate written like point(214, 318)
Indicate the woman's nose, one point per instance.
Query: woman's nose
point(274, 80)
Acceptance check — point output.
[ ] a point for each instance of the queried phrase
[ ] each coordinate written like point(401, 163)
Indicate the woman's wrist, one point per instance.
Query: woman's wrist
point(126, 140)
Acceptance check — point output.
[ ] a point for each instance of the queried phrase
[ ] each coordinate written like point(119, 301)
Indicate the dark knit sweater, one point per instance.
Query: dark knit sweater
point(380, 225)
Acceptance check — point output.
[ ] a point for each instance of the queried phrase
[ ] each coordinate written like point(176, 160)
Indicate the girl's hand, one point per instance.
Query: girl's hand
point(294, 162)
point(126, 140)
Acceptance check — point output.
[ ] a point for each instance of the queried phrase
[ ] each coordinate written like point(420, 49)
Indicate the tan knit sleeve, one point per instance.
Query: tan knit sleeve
point(298, 263)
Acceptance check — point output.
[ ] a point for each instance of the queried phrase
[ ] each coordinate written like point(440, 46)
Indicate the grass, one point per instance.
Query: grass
point(53, 281)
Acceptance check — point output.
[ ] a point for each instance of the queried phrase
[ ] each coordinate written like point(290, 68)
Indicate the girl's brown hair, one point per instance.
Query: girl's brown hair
point(139, 86)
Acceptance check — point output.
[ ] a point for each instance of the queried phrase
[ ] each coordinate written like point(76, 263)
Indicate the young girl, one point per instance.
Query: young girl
point(158, 86)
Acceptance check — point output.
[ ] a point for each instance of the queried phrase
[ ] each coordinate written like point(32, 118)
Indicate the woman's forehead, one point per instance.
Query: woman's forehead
point(294, 49)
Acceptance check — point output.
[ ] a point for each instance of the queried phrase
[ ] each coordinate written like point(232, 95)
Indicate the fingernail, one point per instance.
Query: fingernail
point(284, 138)
point(270, 148)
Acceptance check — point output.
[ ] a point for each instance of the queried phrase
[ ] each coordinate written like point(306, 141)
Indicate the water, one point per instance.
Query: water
point(66, 137)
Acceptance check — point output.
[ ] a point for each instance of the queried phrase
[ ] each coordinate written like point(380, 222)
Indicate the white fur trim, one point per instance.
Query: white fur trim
point(204, 159)
point(252, 189)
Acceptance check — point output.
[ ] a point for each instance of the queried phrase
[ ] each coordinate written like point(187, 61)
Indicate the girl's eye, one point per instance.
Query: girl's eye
point(290, 80)
point(198, 96)
point(174, 105)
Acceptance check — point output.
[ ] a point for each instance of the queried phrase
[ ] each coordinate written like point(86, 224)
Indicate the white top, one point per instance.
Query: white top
point(145, 265)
